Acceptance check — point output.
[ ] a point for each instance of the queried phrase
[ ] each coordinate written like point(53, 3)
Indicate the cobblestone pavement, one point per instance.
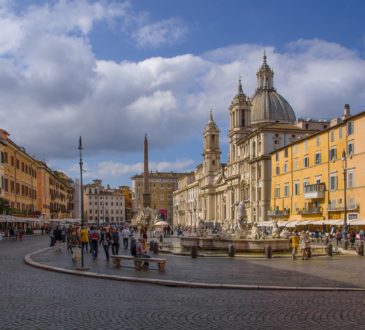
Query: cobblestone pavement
point(36, 299)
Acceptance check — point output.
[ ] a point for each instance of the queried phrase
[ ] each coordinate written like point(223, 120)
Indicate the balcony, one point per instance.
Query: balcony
point(341, 208)
point(278, 213)
point(310, 210)
point(314, 191)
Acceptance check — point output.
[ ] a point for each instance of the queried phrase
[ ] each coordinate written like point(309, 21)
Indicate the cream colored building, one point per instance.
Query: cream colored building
point(240, 190)
point(310, 175)
point(103, 205)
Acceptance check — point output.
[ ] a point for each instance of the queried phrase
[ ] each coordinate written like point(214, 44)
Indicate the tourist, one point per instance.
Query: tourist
point(294, 244)
point(338, 237)
point(105, 241)
point(141, 252)
point(57, 234)
point(115, 241)
point(125, 235)
point(84, 238)
point(94, 235)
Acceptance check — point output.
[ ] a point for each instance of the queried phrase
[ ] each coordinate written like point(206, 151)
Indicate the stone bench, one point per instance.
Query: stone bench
point(138, 261)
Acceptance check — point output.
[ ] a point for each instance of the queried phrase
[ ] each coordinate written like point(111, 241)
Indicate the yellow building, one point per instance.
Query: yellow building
point(126, 192)
point(161, 187)
point(18, 177)
point(55, 193)
point(320, 177)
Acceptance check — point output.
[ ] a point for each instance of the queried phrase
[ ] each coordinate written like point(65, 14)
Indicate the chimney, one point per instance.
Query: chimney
point(346, 112)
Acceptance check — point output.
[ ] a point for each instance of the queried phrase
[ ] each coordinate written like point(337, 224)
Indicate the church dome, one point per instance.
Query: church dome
point(267, 104)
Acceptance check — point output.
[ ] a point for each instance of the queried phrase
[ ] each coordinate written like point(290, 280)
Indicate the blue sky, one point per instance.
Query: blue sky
point(112, 71)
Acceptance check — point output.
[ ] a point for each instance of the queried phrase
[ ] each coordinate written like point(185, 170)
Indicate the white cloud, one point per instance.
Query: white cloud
point(169, 31)
point(53, 88)
point(110, 170)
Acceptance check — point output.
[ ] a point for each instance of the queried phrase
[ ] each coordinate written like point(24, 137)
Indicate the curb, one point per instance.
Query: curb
point(184, 284)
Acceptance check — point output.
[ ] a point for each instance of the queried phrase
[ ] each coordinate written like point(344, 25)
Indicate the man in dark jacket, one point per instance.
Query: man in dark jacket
point(57, 234)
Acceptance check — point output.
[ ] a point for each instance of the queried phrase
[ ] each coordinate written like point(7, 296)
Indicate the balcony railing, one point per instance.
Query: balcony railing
point(311, 210)
point(341, 208)
point(314, 191)
point(278, 213)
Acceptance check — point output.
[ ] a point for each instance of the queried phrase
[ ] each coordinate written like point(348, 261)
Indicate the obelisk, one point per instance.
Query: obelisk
point(146, 177)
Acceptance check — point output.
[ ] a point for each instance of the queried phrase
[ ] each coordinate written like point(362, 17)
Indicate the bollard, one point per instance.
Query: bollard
point(360, 249)
point(155, 248)
point(151, 245)
point(161, 238)
point(329, 250)
point(268, 251)
point(194, 251)
point(231, 250)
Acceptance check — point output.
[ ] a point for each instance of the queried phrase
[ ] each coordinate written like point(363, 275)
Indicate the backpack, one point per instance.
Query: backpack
point(94, 235)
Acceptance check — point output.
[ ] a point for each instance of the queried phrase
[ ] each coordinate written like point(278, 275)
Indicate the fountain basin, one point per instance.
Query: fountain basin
point(240, 245)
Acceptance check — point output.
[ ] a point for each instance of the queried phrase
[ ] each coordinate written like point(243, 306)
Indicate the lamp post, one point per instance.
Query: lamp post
point(81, 203)
point(344, 166)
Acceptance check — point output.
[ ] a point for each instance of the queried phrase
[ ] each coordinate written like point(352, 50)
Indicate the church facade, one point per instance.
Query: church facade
point(239, 191)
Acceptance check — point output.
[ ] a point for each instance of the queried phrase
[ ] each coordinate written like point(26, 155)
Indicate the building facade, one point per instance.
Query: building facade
point(19, 178)
point(240, 190)
point(103, 204)
point(321, 176)
point(160, 186)
point(29, 187)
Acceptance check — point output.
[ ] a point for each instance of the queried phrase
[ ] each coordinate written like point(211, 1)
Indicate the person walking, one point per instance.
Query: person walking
point(84, 238)
point(105, 241)
point(57, 234)
point(115, 241)
point(125, 235)
point(294, 244)
point(94, 235)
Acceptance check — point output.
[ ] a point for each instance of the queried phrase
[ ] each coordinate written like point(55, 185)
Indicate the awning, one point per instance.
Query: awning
point(265, 224)
point(304, 222)
point(282, 223)
point(357, 222)
point(292, 223)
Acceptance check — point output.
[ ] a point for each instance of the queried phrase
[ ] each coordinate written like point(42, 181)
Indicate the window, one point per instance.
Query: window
point(296, 188)
point(306, 145)
point(305, 183)
point(295, 150)
point(350, 127)
point(333, 154)
point(317, 141)
point(285, 167)
point(276, 156)
point(318, 158)
point(340, 132)
point(277, 170)
point(295, 165)
point(286, 190)
point(350, 148)
point(306, 161)
point(286, 152)
point(332, 136)
point(333, 181)
point(277, 191)
point(350, 178)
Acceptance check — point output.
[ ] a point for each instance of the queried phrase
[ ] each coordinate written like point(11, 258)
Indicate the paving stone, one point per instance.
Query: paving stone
point(32, 298)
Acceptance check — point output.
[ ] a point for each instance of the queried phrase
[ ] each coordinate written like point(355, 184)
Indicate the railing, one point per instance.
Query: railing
point(314, 190)
point(339, 208)
point(278, 213)
point(311, 210)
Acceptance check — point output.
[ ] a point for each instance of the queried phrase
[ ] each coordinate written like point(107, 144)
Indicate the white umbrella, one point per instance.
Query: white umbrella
point(161, 223)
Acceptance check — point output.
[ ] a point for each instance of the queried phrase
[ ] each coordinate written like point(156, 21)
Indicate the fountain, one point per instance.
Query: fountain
point(244, 236)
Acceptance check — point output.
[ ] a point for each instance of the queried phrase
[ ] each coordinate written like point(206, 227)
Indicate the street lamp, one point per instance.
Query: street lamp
point(81, 203)
point(344, 166)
